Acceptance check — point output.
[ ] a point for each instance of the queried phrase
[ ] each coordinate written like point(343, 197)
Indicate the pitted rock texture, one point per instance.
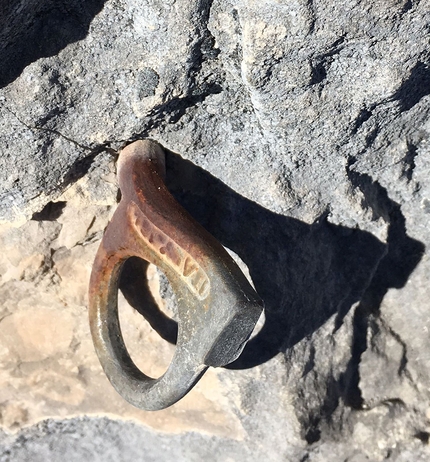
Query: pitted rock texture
point(298, 135)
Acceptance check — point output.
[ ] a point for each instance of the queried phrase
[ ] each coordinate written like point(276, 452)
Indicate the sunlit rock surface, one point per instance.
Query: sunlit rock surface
point(298, 135)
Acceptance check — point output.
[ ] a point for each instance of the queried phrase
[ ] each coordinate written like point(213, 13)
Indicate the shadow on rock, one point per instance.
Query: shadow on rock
point(402, 257)
point(34, 29)
point(305, 273)
point(135, 288)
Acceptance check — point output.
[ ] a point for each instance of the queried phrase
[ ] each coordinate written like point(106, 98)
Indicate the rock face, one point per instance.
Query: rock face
point(297, 133)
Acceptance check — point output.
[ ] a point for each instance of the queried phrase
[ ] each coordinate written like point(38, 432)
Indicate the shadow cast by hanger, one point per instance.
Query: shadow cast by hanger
point(134, 286)
point(40, 28)
point(305, 273)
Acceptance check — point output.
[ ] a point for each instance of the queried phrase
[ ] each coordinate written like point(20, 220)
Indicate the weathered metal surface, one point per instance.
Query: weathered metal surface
point(217, 307)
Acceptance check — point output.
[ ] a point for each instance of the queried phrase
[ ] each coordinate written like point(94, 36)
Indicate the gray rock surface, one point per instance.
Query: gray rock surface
point(298, 134)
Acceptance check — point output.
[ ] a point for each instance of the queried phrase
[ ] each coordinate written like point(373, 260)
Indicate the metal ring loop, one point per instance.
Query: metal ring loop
point(217, 307)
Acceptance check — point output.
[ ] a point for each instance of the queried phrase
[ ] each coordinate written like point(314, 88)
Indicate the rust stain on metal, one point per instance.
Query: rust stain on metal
point(172, 253)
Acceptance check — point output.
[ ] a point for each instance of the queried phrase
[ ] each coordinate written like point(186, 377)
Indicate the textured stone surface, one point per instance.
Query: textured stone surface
point(303, 134)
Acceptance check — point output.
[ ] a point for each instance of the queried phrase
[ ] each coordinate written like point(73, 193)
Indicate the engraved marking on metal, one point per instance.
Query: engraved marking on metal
point(173, 254)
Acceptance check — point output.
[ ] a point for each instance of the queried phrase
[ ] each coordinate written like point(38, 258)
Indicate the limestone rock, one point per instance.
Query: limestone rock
point(298, 135)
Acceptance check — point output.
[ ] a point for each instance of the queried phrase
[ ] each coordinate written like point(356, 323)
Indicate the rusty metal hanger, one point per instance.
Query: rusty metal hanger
point(217, 307)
